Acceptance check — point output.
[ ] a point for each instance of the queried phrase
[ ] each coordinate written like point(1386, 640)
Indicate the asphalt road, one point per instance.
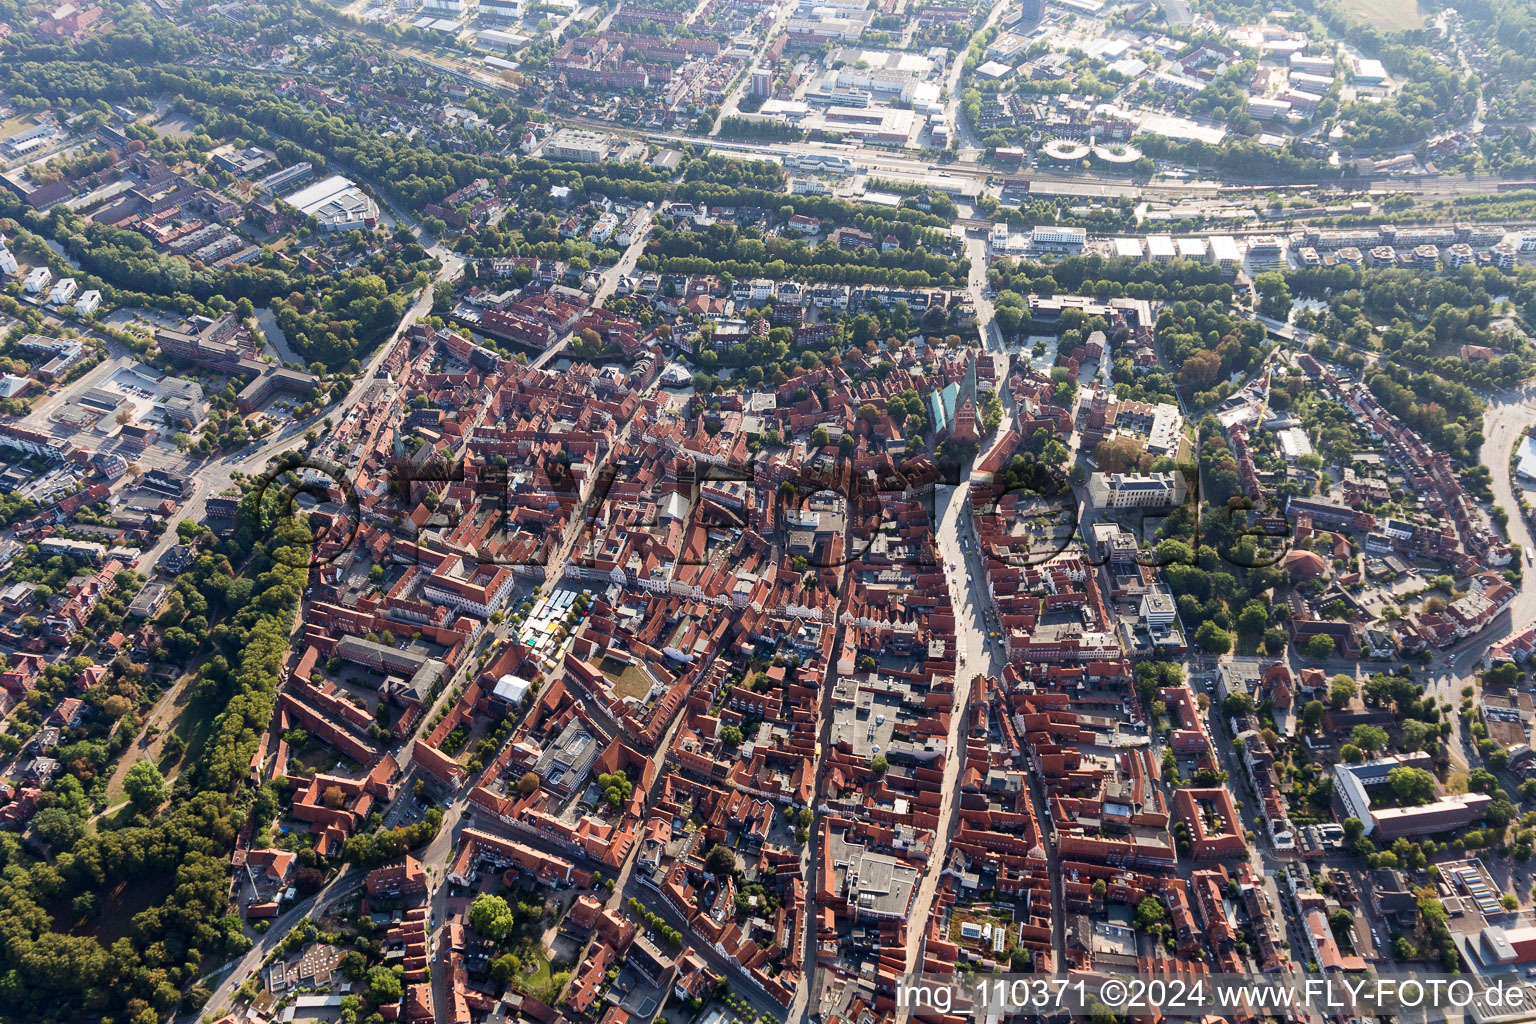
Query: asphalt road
point(214, 476)
point(606, 284)
point(345, 881)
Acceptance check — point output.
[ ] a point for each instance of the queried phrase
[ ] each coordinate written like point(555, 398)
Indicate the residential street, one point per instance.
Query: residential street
point(343, 884)
point(214, 476)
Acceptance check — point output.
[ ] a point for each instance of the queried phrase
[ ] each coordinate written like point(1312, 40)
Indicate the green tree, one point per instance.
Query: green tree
point(720, 860)
point(1369, 738)
point(1237, 704)
point(1274, 295)
point(354, 965)
point(1411, 786)
point(59, 828)
point(1416, 733)
point(1253, 618)
point(145, 786)
point(87, 904)
point(1312, 714)
point(1212, 638)
point(491, 916)
point(1319, 645)
point(1481, 780)
point(384, 986)
point(1150, 912)
point(505, 967)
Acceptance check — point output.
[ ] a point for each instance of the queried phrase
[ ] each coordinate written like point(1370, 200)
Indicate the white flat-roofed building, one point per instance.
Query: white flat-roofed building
point(872, 124)
point(997, 241)
point(1265, 248)
point(64, 291)
point(1525, 466)
point(8, 264)
point(1294, 443)
point(1500, 949)
point(825, 25)
point(37, 280)
point(1160, 248)
point(1311, 83)
point(337, 203)
point(1129, 248)
point(1193, 249)
point(88, 302)
point(924, 97)
point(1131, 67)
point(504, 40)
point(1267, 110)
point(879, 70)
point(1004, 243)
point(1056, 238)
point(575, 144)
point(1167, 427)
point(792, 110)
point(30, 138)
point(1311, 65)
point(1459, 255)
point(1158, 609)
point(511, 689)
point(1369, 71)
point(1006, 45)
point(1225, 253)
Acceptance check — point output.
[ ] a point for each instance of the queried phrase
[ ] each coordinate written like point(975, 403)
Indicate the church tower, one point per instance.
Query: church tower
point(965, 427)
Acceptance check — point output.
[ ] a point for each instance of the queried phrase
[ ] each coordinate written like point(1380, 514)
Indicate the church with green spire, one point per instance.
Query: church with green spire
point(954, 409)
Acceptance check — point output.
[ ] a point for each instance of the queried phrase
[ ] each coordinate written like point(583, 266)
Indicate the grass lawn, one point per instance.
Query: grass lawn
point(195, 725)
point(17, 122)
point(118, 907)
point(119, 818)
point(628, 680)
point(535, 976)
point(176, 712)
point(1387, 15)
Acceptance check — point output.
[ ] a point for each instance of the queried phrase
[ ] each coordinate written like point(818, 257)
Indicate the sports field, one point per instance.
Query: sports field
point(1387, 15)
